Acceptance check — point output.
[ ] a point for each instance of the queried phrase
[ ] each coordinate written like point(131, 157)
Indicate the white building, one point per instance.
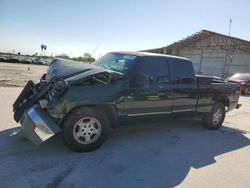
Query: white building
point(212, 53)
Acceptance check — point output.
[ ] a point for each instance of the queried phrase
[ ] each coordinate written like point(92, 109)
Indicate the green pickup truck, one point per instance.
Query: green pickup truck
point(85, 101)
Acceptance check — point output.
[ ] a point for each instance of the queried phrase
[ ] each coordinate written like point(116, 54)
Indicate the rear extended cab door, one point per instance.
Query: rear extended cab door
point(184, 87)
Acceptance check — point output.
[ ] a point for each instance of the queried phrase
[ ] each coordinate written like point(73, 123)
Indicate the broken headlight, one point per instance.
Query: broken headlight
point(58, 87)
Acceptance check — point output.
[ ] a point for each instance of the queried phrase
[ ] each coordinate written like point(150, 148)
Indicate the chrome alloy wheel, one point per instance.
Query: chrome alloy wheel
point(217, 116)
point(87, 130)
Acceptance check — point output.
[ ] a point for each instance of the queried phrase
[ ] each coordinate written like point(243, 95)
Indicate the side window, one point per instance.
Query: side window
point(156, 70)
point(183, 72)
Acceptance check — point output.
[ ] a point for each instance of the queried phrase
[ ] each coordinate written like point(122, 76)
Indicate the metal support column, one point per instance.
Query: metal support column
point(225, 65)
point(201, 61)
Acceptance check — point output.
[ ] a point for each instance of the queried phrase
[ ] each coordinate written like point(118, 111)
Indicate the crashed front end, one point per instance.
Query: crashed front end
point(30, 108)
point(37, 125)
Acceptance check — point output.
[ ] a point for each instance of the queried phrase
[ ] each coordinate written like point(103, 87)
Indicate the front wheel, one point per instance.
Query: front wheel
point(216, 117)
point(85, 129)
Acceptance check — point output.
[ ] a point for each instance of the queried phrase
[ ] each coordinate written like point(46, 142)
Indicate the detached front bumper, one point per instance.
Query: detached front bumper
point(37, 125)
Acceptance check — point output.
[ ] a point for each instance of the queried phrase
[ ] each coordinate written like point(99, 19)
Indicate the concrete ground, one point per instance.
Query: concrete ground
point(16, 75)
point(151, 155)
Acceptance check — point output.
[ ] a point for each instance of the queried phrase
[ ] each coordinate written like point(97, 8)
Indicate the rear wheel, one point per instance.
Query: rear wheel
point(216, 117)
point(85, 129)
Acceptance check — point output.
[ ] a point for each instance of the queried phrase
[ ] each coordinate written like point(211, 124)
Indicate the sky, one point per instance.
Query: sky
point(76, 27)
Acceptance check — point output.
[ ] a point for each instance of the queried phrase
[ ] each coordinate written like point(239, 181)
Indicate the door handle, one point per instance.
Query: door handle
point(130, 97)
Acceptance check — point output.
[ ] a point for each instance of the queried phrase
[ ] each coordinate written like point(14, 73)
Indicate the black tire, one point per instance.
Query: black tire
point(209, 121)
point(70, 123)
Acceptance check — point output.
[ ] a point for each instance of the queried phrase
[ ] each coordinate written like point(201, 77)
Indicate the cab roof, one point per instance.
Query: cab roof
point(148, 54)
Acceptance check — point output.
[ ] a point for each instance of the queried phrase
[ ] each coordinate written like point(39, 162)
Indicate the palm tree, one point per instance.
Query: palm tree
point(43, 48)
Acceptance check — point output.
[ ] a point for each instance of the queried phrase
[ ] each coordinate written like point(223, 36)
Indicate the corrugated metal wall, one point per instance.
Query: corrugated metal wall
point(238, 62)
point(213, 60)
point(206, 61)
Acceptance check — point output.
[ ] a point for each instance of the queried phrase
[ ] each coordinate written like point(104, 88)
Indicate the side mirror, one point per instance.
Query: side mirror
point(138, 80)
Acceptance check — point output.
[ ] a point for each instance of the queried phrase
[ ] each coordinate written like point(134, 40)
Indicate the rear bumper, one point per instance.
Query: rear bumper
point(238, 106)
point(37, 125)
point(233, 105)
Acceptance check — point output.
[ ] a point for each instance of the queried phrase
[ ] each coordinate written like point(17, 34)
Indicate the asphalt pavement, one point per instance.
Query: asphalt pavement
point(158, 154)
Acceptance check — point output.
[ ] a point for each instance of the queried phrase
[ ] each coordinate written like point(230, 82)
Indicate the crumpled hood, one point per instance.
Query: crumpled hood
point(72, 71)
point(65, 68)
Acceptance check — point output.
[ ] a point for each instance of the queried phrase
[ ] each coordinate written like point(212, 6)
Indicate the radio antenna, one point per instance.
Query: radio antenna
point(230, 23)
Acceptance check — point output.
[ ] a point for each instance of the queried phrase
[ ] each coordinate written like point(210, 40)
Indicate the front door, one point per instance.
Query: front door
point(154, 94)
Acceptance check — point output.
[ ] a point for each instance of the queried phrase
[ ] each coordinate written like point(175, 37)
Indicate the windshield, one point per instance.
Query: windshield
point(122, 63)
point(241, 77)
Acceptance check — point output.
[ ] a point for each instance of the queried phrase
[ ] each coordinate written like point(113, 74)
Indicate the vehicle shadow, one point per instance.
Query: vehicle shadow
point(137, 155)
